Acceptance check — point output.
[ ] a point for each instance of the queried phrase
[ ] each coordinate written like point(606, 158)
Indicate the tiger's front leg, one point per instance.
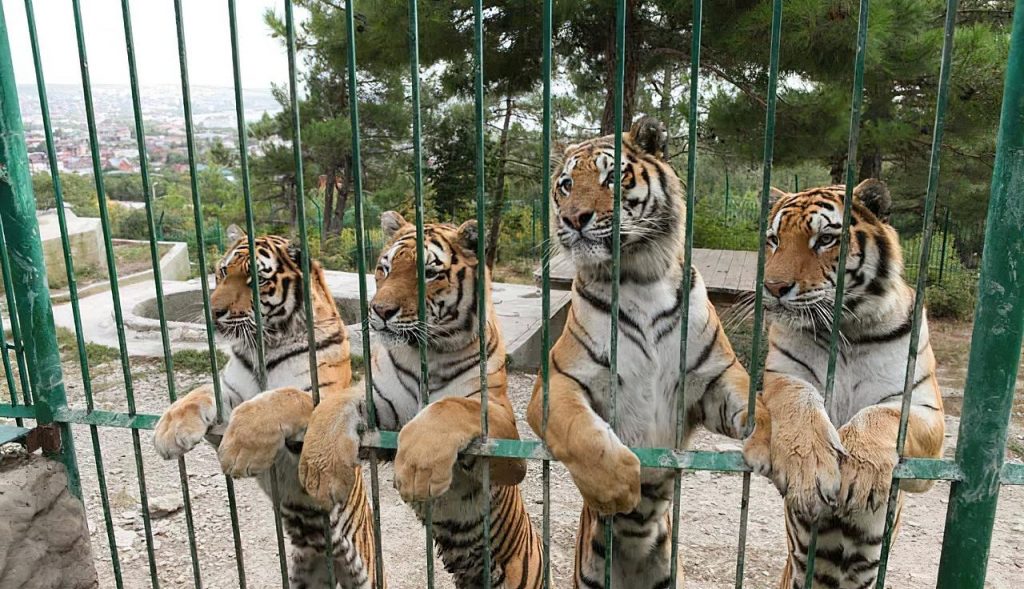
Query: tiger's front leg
point(329, 463)
point(258, 430)
point(185, 422)
point(429, 444)
point(606, 472)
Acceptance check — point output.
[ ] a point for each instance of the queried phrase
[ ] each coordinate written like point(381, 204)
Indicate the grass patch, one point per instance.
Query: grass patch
point(197, 361)
point(96, 353)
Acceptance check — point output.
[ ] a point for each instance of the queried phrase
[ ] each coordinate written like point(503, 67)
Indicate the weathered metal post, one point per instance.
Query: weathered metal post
point(28, 268)
point(995, 349)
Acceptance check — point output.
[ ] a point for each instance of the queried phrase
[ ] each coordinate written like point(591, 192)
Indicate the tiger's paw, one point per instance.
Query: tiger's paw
point(184, 423)
point(610, 483)
point(757, 448)
point(866, 472)
point(424, 462)
point(329, 462)
point(805, 457)
point(252, 440)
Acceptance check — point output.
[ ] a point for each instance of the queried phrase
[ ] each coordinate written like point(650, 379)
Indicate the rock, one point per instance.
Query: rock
point(44, 540)
point(164, 505)
point(124, 538)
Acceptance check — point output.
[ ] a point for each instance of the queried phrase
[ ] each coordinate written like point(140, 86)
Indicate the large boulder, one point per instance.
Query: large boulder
point(44, 540)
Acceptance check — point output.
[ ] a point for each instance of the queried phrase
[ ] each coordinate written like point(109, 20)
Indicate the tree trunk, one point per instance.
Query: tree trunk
point(329, 203)
point(632, 71)
point(837, 168)
point(665, 108)
point(343, 195)
point(499, 194)
point(870, 164)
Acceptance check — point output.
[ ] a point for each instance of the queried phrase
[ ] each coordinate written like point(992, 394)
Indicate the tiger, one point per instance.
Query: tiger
point(266, 426)
point(427, 465)
point(578, 433)
point(853, 439)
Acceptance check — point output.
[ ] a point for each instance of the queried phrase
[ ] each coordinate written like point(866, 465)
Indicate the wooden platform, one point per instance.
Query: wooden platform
point(726, 272)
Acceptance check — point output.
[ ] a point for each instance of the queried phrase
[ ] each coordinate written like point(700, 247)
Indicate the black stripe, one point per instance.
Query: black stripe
point(881, 338)
point(793, 358)
point(334, 340)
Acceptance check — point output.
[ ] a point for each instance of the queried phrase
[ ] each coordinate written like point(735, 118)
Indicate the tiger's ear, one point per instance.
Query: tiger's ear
point(234, 233)
point(774, 195)
point(874, 194)
point(295, 252)
point(391, 222)
point(649, 134)
point(469, 236)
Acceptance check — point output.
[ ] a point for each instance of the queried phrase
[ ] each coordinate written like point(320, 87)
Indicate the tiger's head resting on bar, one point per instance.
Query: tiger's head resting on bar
point(653, 202)
point(802, 245)
point(279, 270)
point(450, 267)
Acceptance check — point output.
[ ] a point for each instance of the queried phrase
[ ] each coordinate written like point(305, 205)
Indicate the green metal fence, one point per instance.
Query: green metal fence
point(976, 473)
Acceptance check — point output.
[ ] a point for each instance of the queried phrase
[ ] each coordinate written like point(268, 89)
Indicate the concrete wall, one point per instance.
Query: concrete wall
point(85, 236)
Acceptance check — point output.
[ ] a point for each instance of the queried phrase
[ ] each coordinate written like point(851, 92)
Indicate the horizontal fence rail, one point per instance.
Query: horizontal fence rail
point(31, 356)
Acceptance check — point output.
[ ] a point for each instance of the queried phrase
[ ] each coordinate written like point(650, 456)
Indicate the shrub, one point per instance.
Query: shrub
point(954, 297)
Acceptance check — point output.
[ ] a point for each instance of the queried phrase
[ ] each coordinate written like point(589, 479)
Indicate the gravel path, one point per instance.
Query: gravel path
point(709, 536)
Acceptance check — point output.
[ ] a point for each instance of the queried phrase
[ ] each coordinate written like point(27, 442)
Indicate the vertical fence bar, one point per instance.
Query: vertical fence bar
point(545, 280)
point(197, 212)
point(613, 351)
point(941, 103)
point(687, 278)
point(300, 210)
point(115, 295)
point(69, 267)
point(154, 253)
point(250, 231)
point(996, 346)
point(945, 237)
point(762, 226)
point(481, 270)
point(364, 329)
point(844, 239)
point(421, 288)
point(16, 336)
point(21, 241)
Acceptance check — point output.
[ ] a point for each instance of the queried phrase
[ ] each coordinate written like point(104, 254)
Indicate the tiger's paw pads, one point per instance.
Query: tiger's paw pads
point(806, 455)
point(610, 483)
point(183, 425)
point(866, 477)
point(328, 465)
point(424, 462)
point(251, 442)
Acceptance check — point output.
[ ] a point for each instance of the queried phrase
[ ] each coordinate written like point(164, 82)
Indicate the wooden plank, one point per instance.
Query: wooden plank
point(732, 279)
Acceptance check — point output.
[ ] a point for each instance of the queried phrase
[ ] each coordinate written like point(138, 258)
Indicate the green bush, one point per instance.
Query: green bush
point(712, 229)
point(954, 297)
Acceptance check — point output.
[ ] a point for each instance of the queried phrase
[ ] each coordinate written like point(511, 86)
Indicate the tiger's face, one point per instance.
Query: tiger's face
point(280, 285)
point(450, 269)
point(582, 195)
point(802, 247)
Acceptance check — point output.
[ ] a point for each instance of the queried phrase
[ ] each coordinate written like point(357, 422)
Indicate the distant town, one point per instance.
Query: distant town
point(213, 115)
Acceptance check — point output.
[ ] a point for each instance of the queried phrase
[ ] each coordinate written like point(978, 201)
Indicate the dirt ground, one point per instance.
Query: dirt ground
point(710, 510)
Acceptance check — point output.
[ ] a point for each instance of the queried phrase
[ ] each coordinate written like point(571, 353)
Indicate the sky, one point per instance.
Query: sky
point(263, 58)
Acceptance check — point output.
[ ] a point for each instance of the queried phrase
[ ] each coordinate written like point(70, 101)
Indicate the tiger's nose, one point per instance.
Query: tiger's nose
point(578, 220)
point(778, 288)
point(385, 310)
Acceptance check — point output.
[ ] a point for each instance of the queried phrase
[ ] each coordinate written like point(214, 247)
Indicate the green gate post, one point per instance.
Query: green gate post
point(18, 218)
point(995, 349)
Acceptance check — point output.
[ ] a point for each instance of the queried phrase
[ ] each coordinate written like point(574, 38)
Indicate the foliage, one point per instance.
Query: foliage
point(954, 297)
